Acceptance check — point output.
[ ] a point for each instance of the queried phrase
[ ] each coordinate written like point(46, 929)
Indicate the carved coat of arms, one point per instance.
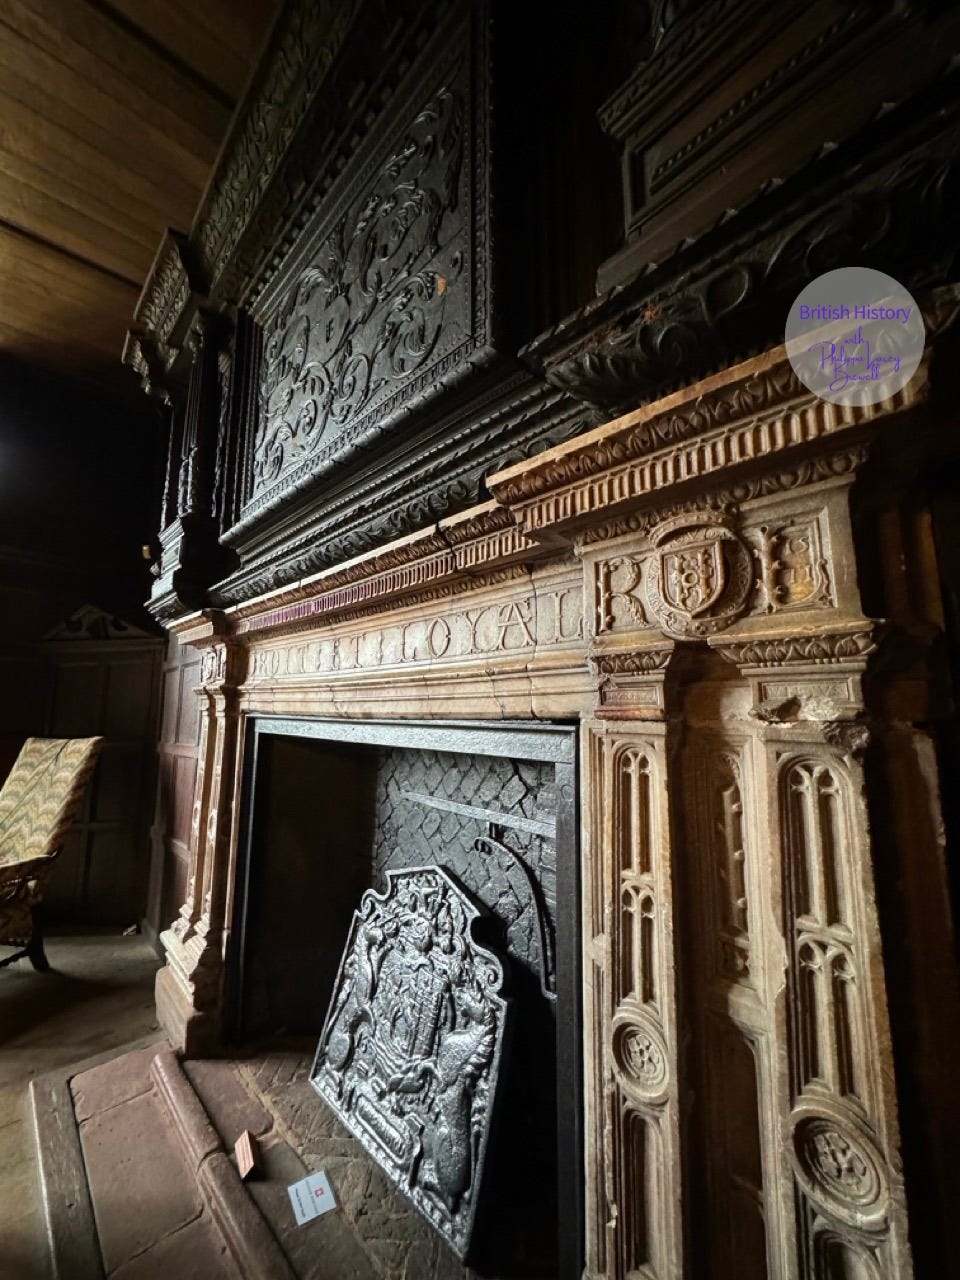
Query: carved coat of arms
point(699, 577)
point(410, 1051)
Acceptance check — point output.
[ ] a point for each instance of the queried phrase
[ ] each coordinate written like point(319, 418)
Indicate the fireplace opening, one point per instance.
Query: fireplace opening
point(329, 808)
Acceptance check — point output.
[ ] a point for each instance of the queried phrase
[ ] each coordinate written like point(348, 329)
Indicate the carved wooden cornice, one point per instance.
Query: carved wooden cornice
point(734, 435)
point(374, 506)
point(743, 418)
point(300, 55)
point(163, 315)
point(164, 298)
point(696, 36)
point(719, 296)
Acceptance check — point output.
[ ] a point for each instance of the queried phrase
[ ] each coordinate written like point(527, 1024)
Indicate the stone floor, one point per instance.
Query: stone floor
point(150, 1215)
point(375, 1235)
point(98, 996)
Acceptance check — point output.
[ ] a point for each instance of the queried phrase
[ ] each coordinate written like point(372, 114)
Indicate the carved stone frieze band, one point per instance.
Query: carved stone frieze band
point(627, 463)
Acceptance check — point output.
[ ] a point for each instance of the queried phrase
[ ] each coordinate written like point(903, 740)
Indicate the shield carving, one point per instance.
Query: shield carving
point(693, 576)
point(700, 576)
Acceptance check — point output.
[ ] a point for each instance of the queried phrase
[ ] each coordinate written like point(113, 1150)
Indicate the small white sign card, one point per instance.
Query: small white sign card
point(311, 1197)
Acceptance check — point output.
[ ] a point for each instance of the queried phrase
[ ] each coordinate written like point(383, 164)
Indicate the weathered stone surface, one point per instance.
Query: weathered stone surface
point(139, 1182)
point(197, 1136)
point(194, 1252)
point(229, 1104)
point(113, 1082)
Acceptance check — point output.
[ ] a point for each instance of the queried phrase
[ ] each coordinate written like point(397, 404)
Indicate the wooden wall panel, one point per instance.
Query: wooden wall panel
point(101, 876)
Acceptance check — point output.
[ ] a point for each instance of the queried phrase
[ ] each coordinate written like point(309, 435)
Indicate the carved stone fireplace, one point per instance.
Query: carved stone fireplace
point(426, 490)
point(729, 917)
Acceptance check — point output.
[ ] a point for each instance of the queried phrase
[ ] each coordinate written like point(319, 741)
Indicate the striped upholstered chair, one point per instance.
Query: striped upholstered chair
point(38, 802)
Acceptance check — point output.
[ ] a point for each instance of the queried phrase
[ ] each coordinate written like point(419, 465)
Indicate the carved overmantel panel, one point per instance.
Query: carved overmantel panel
point(685, 582)
point(407, 284)
point(386, 380)
point(381, 301)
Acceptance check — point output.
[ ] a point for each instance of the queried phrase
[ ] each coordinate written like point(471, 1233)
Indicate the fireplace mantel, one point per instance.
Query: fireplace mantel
point(732, 728)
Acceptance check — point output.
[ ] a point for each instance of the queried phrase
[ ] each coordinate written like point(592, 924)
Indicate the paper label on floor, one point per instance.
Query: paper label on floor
point(311, 1197)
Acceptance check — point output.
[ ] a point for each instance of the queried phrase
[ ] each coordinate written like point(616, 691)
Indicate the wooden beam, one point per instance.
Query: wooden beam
point(74, 47)
point(35, 78)
point(85, 236)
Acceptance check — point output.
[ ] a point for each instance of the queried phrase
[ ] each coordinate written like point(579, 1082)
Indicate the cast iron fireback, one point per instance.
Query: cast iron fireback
point(410, 1051)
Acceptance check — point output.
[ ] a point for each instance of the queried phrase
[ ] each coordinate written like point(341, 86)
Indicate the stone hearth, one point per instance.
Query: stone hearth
point(331, 808)
point(155, 1169)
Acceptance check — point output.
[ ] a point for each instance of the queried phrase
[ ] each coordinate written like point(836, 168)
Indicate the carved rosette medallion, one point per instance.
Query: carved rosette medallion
point(640, 1056)
point(410, 1052)
point(699, 577)
point(840, 1169)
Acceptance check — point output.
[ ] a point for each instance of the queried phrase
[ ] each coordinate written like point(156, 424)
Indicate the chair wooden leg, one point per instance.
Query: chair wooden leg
point(35, 952)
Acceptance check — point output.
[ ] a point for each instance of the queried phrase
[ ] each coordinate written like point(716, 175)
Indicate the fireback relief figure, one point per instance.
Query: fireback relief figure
point(410, 1052)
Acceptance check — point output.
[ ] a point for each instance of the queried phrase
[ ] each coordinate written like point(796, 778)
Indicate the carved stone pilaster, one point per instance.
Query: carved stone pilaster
point(790, 993)
point(632, 1081)
point(189, 989)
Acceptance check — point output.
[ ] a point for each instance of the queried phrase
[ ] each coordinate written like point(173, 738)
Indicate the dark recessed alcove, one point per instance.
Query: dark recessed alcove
point(329, 807)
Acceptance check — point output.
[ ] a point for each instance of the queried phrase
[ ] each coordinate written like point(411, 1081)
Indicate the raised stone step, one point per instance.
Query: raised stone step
point(140, 1183)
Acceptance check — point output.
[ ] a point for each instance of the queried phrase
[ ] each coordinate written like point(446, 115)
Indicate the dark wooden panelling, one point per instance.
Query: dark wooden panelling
point(101, 874)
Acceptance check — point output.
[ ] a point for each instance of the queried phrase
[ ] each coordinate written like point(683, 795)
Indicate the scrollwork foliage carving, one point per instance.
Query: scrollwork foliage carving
point(369, 309)
point(645, 339)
